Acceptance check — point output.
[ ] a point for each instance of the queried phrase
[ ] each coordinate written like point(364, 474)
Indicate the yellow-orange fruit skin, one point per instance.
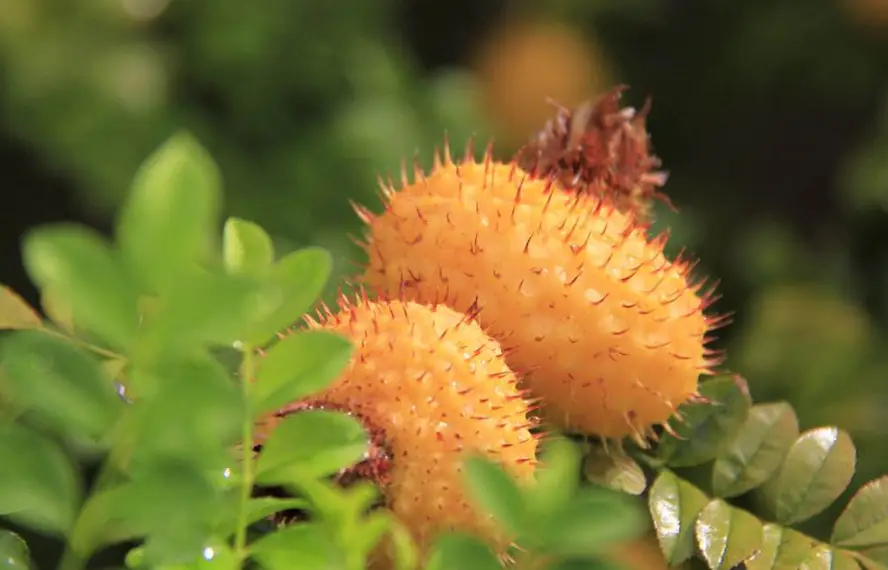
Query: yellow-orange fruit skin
point(608, 333)
point(438, 387)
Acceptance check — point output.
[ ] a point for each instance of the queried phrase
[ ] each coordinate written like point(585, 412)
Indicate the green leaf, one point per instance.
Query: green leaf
point(757, 451)
point(172, 210)
point(264, 507)
point(309, 543)
point(557, 478)
point(708, 429)
point(209, 309)
point(495, 492)
point(302, 275)
point(674, 505)
point(817, 469)
point(615, 470)
point(782, 548)
point(311, 444)
point(727, 535)
point(57, 309)
point(246, 248)
point(215, 555)
point(195, 415)
point(38, 483)
point(875, 558)
point(60, 382)
point(300, 365)
point(864, 521)
point(15, 312)
point(825, 558)
point(14, 552)
point(173, 506)
point(462, 551)
point(593, 521)
point(81, 268)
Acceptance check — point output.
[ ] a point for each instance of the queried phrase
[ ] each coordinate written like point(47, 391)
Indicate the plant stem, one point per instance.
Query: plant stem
point(246, 376)
point(82, 344)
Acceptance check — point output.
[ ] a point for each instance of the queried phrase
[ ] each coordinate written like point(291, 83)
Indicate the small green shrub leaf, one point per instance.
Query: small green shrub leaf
point(875, 558)
point(463, 551)
point(674, 505)
point(61, 383)
point(38, 484)
point(782, 548)
point(194, 416)
point(708, 429)
point(264, 507)
point(172, 209)
point(311, 444)
point(14, 552)
point(593, 521)
point(311, 544)
point(246, 248)
point(615, 470)
point(817, 469)
point(864, 521)
point(557, 477)
point(16, 313)
point(302, 275)
point(823, 557)
point(727, 535)
point(82, 269)
point(57, 309)
point(213, 309)
point(173, 506)
point(303, 363)
point(496, 492)
point(757, 451)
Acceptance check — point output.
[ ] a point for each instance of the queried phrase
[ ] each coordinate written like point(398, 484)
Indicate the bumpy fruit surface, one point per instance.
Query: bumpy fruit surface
point(436, 386)
point(608, 332)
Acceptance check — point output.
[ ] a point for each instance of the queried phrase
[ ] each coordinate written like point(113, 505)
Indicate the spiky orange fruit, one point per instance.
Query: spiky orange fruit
point(608, 332)
point(436, 386)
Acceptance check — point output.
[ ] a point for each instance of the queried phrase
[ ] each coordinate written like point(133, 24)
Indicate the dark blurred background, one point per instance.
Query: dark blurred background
point(771, 116)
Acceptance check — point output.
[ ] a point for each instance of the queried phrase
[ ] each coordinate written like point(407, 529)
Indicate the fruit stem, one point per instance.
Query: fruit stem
point(246, 375)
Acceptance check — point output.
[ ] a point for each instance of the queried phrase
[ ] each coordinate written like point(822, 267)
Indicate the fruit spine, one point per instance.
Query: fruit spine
point(608, 333)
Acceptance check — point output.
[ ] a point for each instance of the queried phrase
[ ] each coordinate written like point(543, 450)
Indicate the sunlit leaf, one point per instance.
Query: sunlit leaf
point(81, 268)
point(463, 551)
point(865, 520)
point(298, 366)
point(38, 484)
point(247, 248)
point(15, 312)
point(302, 276)
point(727, 535)
point(60, 382)
point(817, 469)
point(310, 543)
point(823, 557)
point(170, 213)
point(614, 469)
point(674, 505)
point(782, 548)
point(14, 552)
point(496, 492)
point(708, 429)
point(757, 450)
point(310, 444)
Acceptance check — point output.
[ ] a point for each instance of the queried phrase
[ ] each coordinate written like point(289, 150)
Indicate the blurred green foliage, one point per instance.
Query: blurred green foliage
point(772, 117)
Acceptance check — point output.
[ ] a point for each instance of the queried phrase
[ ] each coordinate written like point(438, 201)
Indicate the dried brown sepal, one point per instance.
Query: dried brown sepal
point(602, 149)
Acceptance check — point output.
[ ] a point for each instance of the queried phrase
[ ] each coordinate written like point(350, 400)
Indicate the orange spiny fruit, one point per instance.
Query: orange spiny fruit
point(436, 386)
point(608, 333)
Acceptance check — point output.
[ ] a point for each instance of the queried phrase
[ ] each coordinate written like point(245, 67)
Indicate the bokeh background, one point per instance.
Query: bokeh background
point(771, 116)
